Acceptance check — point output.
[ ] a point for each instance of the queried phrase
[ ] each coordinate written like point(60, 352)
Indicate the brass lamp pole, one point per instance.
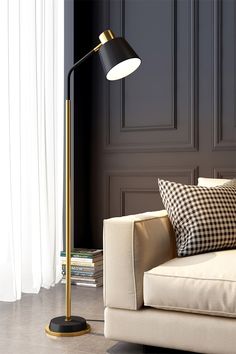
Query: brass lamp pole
point(119, 60)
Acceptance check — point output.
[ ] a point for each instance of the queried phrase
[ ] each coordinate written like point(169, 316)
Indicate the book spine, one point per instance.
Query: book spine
point(83, 274)
point(84, 280)
point(79, 283)
point(83, 264)
point(84, 260)
point(91, 270)
point(86, 284)
point(84, 256)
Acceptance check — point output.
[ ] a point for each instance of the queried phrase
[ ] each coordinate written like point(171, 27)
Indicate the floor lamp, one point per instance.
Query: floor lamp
point(118, 60)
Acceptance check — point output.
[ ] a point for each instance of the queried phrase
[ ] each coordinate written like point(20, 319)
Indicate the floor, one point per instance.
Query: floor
point(22, 325)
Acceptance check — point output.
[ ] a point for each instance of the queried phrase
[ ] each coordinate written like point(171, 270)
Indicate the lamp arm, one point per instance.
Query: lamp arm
point(76, 65)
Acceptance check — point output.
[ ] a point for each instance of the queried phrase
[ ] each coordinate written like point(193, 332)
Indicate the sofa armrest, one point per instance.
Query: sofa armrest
point(132, 245)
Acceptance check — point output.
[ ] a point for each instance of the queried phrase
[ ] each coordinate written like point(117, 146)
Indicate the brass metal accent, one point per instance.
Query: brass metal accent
point(106, 36)
point(97, 47)
point(68, 210)
point(67, 334)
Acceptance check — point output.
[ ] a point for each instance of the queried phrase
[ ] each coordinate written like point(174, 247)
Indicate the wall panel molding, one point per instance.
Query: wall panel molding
point(219, 141)
point(131, 132)
point(234, 65)
point(189, 141)
point(229, 172)
point(129, 192)
point(172, 124)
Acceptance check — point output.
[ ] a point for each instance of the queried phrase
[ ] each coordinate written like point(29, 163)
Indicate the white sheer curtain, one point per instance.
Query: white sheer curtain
point(31, 144)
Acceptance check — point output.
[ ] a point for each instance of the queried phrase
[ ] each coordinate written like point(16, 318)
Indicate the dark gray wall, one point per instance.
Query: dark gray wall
point(174, 118)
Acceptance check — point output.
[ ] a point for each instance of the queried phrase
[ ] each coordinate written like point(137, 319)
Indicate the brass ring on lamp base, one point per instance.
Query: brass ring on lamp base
point(63, 326)
point(67, 334)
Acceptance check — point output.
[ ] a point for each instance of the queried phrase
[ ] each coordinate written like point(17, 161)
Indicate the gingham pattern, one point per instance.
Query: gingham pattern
point(204, 219)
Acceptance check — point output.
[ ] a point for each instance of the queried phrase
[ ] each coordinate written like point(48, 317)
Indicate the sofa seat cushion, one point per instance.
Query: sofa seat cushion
point(204, 283)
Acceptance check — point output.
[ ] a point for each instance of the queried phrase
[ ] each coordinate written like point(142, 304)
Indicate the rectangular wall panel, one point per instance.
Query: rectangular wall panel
point(224, 120)
point(145, 112)
point(133, 192)
point(229, 173)
point(174, 118)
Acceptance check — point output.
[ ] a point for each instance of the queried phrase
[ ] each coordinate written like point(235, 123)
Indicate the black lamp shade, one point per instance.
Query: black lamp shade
point(118, 59)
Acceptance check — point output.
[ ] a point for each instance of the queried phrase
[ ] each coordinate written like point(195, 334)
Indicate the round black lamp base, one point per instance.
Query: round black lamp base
point(60, 327)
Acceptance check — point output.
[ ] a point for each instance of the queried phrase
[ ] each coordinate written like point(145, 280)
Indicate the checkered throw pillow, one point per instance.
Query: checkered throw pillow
point(204, 219)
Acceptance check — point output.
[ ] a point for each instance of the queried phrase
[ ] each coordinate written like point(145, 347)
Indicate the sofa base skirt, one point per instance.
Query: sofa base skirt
point(169, 329)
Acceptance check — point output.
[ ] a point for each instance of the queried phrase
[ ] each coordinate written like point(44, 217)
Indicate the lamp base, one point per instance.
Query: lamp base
point(60, 327)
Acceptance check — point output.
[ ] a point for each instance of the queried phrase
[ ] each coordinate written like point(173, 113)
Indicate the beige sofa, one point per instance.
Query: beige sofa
point(151, 297)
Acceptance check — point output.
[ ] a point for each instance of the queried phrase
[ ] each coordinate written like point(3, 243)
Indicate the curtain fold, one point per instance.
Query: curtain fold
point(31, 145)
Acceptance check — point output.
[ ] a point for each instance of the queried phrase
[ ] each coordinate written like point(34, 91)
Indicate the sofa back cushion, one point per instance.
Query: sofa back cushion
point(211, 182)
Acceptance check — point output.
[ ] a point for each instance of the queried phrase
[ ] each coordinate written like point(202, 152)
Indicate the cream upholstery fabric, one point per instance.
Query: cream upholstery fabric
point(135, 244)
point(203, 283)
point(211, 182)
point(178, 330)
point(132, 245)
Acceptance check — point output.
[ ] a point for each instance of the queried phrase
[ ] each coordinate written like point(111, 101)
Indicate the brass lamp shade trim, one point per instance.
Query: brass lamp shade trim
point(106, 36)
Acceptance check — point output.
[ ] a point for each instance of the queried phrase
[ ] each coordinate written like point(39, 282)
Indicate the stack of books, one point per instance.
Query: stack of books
point(86, 267)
